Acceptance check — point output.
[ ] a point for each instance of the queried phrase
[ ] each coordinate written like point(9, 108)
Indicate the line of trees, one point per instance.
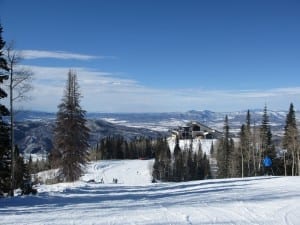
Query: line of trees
point(245, 157)
point(118, 147)
point(182, 165)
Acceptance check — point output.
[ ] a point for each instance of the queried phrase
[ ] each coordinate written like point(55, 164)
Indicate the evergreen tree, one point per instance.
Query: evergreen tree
point(248, 147)
point(71, 133)
point(206, 167)
point(267, 148)
point(190, 165)
point(194, 170)
point(178, 162)
point(30, 165)
point(21, 170)
point(291, 144)
point(212, 149)
point(5, 154)
point(244, 153)
point(183, 165)
point(200, 165)
point(265, 133)
point(224, 153)
point(243, 148)
point(162, 164)
point(3, 62)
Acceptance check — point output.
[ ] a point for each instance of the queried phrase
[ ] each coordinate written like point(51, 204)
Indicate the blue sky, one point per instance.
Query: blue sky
point(160, 55)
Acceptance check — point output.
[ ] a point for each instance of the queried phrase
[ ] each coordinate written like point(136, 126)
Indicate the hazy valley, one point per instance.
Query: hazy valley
point(34, 129)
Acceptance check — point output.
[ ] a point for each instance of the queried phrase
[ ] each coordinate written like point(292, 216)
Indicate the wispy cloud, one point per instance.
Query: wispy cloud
point(36, 54)
point(106, 92)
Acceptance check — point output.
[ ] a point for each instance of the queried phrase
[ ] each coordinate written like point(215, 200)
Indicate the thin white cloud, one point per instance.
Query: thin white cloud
point(106, 92)
point(36, 54)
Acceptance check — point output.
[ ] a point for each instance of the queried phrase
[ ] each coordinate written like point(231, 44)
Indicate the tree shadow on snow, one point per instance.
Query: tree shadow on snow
point(116, 197)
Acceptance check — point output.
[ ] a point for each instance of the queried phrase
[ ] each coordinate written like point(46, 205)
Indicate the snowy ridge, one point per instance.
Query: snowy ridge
point(258, 200)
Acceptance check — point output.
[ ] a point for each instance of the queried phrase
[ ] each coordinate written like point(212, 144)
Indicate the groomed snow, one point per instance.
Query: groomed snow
point(134, 200)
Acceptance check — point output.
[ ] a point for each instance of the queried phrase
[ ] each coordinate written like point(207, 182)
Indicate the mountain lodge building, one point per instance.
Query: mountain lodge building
point(194, 130)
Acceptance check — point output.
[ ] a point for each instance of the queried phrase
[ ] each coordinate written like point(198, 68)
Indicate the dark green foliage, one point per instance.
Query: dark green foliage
point(71, 134)
point(290, 143)
point(5, 159)
point(242, 150)
point(183, 165)
point(22, 178)
point(252, 148)
point(267, 147)
point(248, 149)
point(117, 147)
point(38, 165)
point(178, 163)
point(245, 153)
point(212, 149)
point(5, 156)
point(162, 164)
point(203, 167)
point(3, 62)
point(22, 175)
point(19, 168)
point(225, 153)
point(30, 165)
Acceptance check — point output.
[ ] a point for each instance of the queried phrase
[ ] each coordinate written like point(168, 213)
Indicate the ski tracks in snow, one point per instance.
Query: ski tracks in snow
point(290, 215)
point(249, 201)
point(173, 216)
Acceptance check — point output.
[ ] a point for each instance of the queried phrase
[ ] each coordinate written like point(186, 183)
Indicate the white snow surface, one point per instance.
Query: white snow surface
point(135, 200)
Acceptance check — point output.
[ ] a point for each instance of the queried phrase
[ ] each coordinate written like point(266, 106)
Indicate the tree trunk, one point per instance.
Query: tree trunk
point(242, 164)
point(248, 161)
point(298, 161)
point(284, 162)
point(293, 163)
point(12, 141)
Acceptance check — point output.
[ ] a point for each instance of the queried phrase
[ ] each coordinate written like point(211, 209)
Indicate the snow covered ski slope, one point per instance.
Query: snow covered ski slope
point(134, 200)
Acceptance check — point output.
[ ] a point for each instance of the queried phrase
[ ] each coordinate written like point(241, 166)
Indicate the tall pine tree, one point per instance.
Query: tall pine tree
point(246, 150)
point(225, 152)
point(5, 155)
point(291, 143)
point(266, 146)
point(71, 133)
point(242, 149)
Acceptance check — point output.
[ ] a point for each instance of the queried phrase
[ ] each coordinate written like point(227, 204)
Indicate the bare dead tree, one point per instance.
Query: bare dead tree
point(19, 86)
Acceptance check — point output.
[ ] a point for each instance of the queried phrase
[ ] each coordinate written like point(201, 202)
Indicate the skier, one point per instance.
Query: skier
point(267, 161)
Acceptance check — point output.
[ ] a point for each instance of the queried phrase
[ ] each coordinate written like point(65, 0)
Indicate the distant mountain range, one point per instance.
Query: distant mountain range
point(34, 129)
